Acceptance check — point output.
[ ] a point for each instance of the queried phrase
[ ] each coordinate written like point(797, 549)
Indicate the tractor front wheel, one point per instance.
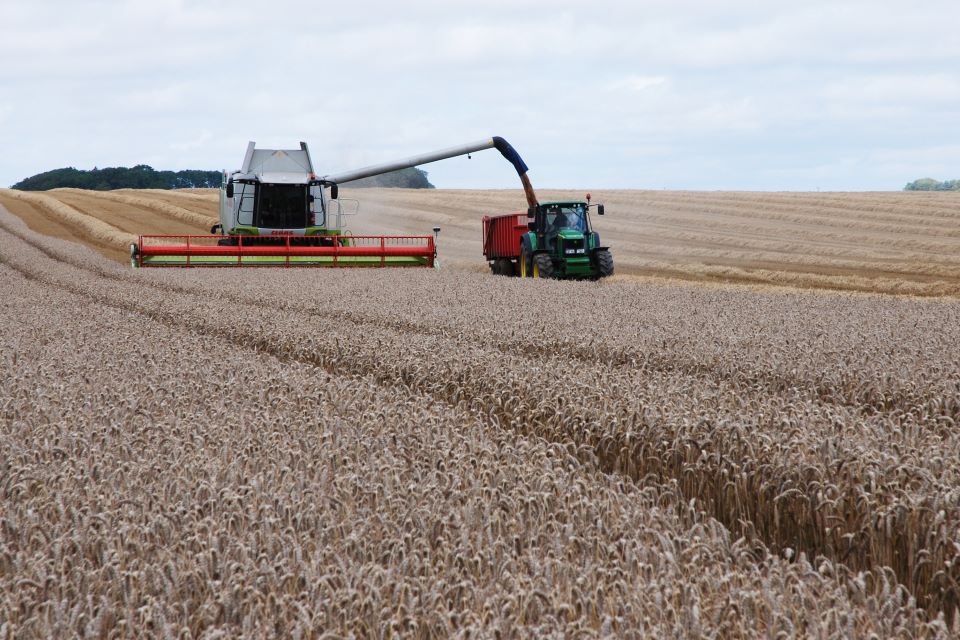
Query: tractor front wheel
point(524, 264)
point(542, 266)
point(605, 263)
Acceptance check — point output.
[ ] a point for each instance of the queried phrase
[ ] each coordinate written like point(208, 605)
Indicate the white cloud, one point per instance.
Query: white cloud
point(197, 142)
point(590, 92)
point(897, 89)
point(634, 83)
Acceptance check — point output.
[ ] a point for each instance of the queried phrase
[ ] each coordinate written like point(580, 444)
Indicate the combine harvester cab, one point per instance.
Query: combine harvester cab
point(275, 211)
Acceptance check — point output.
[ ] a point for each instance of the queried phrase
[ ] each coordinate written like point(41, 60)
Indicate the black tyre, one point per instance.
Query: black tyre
point(542, 266)
point(226, 242)
point(502, 267)
point(605, 263)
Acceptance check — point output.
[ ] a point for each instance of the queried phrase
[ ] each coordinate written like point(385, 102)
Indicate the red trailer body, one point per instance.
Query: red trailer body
point(502, 236)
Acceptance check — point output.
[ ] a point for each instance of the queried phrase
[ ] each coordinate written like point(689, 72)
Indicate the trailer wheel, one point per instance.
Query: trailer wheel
point(501, 267)
point(542, 266)
point(605, 263)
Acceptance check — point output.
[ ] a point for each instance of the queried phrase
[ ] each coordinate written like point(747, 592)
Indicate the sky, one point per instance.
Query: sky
point(680, 94)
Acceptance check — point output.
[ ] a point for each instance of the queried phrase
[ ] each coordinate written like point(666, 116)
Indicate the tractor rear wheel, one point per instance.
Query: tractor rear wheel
point(605, 263)
point(542, 266)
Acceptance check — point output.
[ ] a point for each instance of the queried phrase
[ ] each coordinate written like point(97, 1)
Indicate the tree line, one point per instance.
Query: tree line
point(410, 178)
point(146, 177)
point(139, 177)
point(929, 184)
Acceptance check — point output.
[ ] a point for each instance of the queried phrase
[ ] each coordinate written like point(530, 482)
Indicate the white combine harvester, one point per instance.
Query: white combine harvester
point(276, 211)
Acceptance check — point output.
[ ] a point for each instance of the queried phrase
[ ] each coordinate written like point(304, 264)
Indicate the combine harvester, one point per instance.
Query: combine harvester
point(276, 211)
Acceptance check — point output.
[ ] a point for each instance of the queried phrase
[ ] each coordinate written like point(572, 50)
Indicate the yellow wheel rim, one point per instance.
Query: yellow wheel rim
point(536, 270)
point(523, 265)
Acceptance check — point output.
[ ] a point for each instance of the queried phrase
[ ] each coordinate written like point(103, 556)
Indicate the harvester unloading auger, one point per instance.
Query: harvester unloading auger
point(276, 211)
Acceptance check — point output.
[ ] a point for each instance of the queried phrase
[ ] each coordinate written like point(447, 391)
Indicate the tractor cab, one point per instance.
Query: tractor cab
point(561, 242)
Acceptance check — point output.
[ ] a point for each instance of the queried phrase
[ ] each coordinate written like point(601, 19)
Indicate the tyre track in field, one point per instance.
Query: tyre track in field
point(773, 384)
point(870, 402)
point(476, 390)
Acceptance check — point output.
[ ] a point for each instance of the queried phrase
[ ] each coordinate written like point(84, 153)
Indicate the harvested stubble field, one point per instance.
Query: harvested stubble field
point(890, 242)
point(300, 452)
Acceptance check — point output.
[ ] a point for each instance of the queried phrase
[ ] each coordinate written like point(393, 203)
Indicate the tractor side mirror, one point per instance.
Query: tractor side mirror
point(599, 209)
point(334, 191)
point(531, 212)
point(230, 189)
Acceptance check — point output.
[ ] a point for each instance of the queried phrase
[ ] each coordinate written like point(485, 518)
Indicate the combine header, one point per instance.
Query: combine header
point(285, 251)
point(276, 211)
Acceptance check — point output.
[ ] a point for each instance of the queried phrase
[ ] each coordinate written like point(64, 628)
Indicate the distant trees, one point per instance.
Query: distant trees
point(411, 178)
point(929, 184)
point(145, 177)
point(139, 177)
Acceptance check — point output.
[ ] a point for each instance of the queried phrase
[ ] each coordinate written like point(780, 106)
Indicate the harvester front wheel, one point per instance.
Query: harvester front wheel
point(605, 263)
point(542, 266)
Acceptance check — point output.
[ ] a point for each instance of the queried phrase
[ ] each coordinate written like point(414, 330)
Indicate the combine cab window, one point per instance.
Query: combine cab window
point(245, 194)
point(283, 206)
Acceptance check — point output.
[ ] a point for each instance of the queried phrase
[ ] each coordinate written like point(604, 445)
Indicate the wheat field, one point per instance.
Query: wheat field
point(421, 453)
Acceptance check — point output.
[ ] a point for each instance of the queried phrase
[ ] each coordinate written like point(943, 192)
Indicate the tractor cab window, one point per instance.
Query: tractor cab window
point(566, 217)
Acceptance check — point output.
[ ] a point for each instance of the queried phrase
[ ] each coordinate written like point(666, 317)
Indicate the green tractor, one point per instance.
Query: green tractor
point(560, 243)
